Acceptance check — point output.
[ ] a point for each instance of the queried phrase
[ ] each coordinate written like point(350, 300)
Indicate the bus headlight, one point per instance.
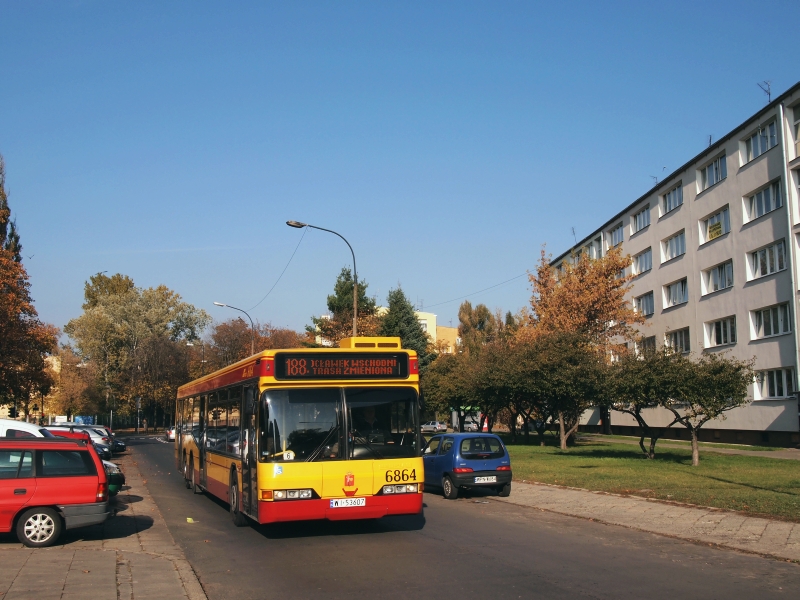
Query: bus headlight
point(407, 488)
point(293, 494)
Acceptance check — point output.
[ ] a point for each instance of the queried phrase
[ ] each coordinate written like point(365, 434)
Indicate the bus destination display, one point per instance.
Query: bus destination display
point(351, 365)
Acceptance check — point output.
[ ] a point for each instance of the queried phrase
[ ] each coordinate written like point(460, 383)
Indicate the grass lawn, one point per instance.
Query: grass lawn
point(751, 484)
point(688, 443)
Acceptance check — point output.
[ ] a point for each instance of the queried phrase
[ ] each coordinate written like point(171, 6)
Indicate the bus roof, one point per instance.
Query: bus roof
point(262, 363)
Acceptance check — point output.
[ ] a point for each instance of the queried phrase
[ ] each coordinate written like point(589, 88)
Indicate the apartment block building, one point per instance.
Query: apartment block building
point(716, 265)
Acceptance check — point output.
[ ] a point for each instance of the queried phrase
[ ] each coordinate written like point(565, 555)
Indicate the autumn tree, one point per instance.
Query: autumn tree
point(125, 330)
point(25, 341)
point(477, 326)
point(230, 341)
point(448, 384)
point(75, 389)
point(642, 381)
point(706, 390)
point(401, 321)
point(339, 323)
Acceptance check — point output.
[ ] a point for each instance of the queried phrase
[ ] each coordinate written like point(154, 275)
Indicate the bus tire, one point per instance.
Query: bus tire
point(186, 481)
point(450, 490)
point(233, 497)
point(195, 487)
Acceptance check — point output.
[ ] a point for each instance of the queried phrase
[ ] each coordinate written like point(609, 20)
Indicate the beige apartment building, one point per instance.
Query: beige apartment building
point(716, 265)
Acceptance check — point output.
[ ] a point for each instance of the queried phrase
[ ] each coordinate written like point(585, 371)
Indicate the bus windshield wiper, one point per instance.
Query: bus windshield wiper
point(315, 454)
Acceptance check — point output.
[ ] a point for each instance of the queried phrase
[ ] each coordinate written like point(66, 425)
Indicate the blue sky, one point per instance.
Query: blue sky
point(446, 141)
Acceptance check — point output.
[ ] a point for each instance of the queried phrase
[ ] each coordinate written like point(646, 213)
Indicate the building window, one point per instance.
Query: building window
point(773, 320)
point(616, 235)
point(722, 332)
point(762, 140)
point(765, 201)
point(768, 260)
point(678, 340)
point(716, 225)
point(423, 324)
point(676, 293)
point(713, 173)
point(593, 249)
point(672, 199)
point(777, 383)
point(644, 344)
point(796, 112)
point(645, 304)
point(643, 262)
point(674, 246)
point(719, 277)
point(641, 219)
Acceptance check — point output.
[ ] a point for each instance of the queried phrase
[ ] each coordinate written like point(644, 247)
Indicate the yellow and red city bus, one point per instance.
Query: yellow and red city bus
point(317, 433)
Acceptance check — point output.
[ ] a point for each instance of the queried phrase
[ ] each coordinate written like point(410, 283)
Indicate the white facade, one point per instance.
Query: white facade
point(716, 249)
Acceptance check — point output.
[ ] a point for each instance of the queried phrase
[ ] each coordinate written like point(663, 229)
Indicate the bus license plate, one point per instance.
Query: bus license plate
point(492, 479)
point(346, 502)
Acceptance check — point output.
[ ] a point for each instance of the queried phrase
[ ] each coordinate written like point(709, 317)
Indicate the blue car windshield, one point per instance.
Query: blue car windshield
point(481, 447)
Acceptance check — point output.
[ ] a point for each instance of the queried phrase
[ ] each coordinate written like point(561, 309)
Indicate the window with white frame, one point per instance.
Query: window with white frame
point(765, 201)
point(676, 293)
point(644, 344)
point(713, 173)
point(678, 340)
point(762, 140)
point(674, 246)
point(643, 262)
point(672, 199)
point(716, 225)
point(796, 111)
point(775, 383)
point(641, 219)
point(771, 321)
point(645, 304)
point(721, 333)
point(718, 278)
point(616, 235)
point(593, 249)
point(768, 260)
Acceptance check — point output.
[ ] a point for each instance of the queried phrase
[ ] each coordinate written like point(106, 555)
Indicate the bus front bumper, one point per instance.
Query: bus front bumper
point(320, 508)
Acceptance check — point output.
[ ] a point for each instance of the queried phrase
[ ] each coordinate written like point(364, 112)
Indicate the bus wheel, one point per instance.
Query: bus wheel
point(186, 481)
point(233, 496)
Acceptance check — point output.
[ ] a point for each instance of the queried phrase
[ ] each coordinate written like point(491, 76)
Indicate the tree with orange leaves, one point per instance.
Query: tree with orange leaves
point(24, 339)
point(584, 296)
point(583, 299)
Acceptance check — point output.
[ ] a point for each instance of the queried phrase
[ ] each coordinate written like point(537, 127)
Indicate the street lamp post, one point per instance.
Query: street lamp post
point(252, 328)
point(299, 225)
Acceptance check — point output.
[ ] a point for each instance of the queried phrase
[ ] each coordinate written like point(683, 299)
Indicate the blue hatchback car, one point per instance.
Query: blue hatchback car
point(467, 460)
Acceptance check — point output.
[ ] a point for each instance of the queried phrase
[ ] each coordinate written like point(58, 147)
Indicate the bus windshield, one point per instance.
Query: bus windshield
point(309, 424)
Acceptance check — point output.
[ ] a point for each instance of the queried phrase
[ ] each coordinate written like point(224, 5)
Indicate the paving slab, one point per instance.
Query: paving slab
point(132, 555)
point(729, 529)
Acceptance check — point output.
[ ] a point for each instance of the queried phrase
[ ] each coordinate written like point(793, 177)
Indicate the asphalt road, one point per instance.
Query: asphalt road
point(473, 547)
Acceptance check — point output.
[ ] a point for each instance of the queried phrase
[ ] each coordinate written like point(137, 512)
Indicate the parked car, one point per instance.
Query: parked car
point(20, 429)
point(471, 426)
point(115, 476)
point(171, 434)
point(467, 460)
point(48, 485)
point(433, 427)
point(96, 439)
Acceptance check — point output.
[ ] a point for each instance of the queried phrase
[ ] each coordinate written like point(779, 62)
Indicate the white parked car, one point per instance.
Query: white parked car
point(434, 427)
point(171, 434)
point(20, 429)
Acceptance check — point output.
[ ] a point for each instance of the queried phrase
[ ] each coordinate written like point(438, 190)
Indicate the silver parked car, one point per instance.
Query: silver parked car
point(433, 427)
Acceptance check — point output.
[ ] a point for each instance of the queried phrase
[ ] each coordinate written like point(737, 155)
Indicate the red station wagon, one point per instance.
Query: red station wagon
point(48, 485)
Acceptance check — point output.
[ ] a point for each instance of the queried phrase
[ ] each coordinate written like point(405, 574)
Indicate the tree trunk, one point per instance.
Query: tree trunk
point(653, 439)
point(695, 448)
point(562, 434)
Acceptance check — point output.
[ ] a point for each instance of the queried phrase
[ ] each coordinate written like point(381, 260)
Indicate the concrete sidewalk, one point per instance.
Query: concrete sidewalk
point(778, 539)
point(131, 556)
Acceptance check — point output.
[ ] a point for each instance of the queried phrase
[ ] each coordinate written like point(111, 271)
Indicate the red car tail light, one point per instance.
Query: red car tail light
point(102, 492)
point(462, 470)
point(504, 468)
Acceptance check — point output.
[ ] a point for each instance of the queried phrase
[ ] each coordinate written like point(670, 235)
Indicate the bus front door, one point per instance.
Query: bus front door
point(201, 445)
point(248, 454)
